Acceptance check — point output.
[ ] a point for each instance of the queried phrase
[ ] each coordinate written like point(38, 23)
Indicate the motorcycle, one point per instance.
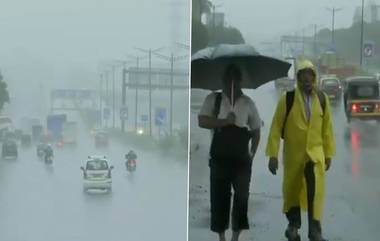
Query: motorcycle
point(49, 159)
point(131, 165)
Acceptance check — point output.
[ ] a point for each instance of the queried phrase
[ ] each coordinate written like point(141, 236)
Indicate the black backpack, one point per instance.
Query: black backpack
point(289, 104)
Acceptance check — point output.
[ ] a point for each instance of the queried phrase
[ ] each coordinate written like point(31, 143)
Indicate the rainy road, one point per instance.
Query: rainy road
point(353, 192)
point(41, 203)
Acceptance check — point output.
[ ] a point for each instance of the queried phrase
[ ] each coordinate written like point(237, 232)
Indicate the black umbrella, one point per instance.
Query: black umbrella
point(208, 65)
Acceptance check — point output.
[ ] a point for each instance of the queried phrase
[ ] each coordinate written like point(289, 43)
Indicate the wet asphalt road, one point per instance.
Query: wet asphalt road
point(46, 203)
point(353, 191)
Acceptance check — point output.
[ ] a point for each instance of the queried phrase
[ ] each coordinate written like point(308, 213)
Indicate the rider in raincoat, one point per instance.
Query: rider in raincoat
point(309, 145)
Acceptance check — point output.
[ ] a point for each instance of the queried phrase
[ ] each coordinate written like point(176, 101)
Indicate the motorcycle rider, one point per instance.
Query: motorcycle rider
point(40, 149)
point(48, 152)
point(130, 157)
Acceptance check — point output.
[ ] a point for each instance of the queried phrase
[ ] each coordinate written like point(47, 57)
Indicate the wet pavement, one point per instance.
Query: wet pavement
point(46, 203)
point(353, 190)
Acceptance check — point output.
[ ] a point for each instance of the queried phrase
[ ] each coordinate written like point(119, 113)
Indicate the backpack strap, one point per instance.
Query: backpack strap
point(322, 100)
point(289, 104)
point(218, 101)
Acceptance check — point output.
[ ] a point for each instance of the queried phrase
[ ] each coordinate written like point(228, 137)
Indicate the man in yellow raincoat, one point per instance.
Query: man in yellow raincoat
point(309, 144)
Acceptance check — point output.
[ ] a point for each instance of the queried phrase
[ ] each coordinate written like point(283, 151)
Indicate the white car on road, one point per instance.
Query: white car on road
point(97, 173)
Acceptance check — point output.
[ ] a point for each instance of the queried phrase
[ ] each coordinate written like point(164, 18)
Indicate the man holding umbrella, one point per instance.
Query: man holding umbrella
point(304, 121)
point(235, 122)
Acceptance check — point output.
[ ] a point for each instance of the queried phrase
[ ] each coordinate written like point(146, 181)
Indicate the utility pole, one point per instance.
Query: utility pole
point(123, 94)
point(315, 41)
point(150, 51)
point(362, 36)
point(107, 93)
point(303, 42)
point(113, 97)
point(172, 60)
point(171, 93)
point(136, 92)
point(333, 10)
point(137, 59)
point(101, 99)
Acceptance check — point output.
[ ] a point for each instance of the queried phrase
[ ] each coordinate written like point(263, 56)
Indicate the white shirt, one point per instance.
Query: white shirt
point(307, 100)
point(244, 109)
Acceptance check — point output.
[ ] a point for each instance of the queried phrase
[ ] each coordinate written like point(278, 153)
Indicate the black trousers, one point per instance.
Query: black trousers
point(294, 214)
point(222, 180)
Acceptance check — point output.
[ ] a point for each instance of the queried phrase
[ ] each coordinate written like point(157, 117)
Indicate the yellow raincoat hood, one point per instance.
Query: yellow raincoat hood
point(307, 64)
point(304, 140)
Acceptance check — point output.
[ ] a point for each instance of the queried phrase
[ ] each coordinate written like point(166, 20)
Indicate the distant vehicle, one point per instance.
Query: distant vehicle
point(101, 139)
point(130, 163)
point(362, 98)
point(37, 132)
point(97, 173)
point(284, 84)
point(330, 62)
point(18, 134)
point(55, 126)
point(377, 76)
point(48, 154)
point(69, 133)
point(26, 139)
point(287, 83)
point(140, 131)
point(331, 86)
point(6, 125)
point(41, 150)
point(9, 149)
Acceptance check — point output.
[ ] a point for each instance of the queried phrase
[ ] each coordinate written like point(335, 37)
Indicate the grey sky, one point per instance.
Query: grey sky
point(65, 40)
point(266, 20)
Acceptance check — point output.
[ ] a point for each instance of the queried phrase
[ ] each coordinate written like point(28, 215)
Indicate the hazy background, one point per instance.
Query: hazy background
point(62, 41)
point(265, 20)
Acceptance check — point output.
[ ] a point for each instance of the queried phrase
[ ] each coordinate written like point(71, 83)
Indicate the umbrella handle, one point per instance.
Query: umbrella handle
point(232, 95)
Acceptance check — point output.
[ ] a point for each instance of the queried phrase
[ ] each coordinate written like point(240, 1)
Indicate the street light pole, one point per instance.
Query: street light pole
point(362, 36)
point(172, 59)
point(101, 99)
point(123, 94)
point(113, 96)
point(107, 94)
point(333, 10)
point(171, 93)
point(137, 59)
point(136, 92)
point(150, 92)
point(150, 51)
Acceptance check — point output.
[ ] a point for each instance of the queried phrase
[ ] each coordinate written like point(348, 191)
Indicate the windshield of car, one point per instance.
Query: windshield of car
point(97, 165)
point(367, 91)
point(330, 82)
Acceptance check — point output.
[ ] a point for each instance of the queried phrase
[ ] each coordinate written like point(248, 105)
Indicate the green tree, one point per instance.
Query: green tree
point(4, 95)
point(199, 36)
point(348, 41)
point(228, 35)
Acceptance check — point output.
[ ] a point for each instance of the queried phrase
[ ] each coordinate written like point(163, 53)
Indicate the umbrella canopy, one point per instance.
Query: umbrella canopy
point(208, 66)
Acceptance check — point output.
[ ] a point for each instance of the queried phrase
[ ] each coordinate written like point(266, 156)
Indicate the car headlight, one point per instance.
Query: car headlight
point(140, 131)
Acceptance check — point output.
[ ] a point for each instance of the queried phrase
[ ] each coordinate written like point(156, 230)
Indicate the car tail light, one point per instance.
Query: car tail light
point(354, 108)
point(377, 107)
